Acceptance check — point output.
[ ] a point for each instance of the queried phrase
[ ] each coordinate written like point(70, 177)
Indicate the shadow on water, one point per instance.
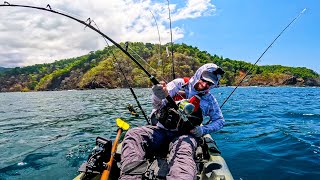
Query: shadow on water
point(239, 123)
point(30, 161)
point(15, 118)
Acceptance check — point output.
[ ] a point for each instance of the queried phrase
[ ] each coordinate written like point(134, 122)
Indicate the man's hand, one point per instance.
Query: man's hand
point(197, 131)
point(160, 90)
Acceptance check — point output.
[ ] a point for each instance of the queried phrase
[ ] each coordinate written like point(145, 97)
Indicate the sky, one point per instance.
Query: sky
point(234, 29)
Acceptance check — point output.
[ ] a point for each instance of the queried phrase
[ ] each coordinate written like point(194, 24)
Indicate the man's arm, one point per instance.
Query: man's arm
point(216, 117)
point(210, 108)
point(171, 88)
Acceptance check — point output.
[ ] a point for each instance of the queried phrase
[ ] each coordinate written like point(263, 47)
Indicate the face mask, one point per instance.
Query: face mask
point(216, 80)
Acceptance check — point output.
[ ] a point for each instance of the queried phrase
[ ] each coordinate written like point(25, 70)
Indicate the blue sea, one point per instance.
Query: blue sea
point(270, 132)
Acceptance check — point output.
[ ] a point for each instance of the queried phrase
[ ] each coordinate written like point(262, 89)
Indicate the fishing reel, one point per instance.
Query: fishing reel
point(186, 117)
point(188, 106)
point(95, 164)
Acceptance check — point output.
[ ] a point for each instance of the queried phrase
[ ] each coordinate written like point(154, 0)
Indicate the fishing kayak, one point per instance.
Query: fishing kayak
point(210, 163)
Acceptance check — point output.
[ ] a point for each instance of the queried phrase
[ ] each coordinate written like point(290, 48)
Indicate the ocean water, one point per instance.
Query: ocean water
point(270, 132)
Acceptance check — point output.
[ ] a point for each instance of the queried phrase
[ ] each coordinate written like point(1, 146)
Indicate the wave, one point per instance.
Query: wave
point(294, 114)
point(311, 114)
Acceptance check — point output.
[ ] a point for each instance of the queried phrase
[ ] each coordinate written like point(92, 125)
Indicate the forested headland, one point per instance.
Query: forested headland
point(99, 69)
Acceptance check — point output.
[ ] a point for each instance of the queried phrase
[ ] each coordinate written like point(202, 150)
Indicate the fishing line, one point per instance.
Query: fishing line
point(155, 20)
point(125, 77)
point(262, 55)
point(173, 73)
point(154, 70)
point(260, 58)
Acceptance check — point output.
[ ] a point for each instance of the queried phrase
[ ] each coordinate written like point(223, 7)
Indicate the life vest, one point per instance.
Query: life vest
point(181, 93)
point(171, 119)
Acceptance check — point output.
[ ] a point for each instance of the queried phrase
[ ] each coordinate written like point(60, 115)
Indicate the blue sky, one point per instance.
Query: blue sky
point(236, 29)
point(242, 30)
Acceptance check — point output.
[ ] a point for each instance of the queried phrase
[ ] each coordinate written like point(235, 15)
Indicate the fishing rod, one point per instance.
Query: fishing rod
point(155, 20)
point(173, 74)
point(125, 77)
point(134, 94)
point(88, 24)
point(260, 58)
point(262, 55)
point(128, 84)
point(146, 63)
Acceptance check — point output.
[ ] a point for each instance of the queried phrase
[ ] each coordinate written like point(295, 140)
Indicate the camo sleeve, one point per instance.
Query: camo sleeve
point(211, 108)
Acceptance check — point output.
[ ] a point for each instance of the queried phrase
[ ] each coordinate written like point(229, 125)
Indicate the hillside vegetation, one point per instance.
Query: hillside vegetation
point(2, 69)
point(100, 69)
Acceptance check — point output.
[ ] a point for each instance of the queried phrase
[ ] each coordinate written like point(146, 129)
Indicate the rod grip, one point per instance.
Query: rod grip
point(169, 98)
point(171, 102)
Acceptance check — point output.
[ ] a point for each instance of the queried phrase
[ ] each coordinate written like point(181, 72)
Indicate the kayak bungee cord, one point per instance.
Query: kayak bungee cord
point(260, 58)
point(49, 9)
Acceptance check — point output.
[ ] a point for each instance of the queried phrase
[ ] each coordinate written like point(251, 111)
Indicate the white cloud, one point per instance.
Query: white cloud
point(194, 9)
point(29, 36)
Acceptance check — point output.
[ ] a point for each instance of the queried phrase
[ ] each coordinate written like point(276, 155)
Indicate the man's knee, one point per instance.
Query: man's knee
point(133, 132)
point(186, 142)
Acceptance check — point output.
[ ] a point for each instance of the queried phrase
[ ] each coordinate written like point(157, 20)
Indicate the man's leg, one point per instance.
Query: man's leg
point(181, 158)
point(137, 142)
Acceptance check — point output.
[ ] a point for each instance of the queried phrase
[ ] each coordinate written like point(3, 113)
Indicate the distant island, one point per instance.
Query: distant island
point(99, 69)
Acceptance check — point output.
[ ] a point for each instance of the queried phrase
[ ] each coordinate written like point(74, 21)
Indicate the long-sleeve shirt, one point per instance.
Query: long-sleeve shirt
point(208, 104)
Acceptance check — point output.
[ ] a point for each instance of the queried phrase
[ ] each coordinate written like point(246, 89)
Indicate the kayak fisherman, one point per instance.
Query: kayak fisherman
point(180, 135)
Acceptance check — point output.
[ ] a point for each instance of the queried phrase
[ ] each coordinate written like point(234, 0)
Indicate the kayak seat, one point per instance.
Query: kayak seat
point(149, 169)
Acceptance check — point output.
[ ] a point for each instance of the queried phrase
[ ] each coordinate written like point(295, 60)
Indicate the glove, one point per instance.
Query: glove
point(197, 131)
point(159, 92)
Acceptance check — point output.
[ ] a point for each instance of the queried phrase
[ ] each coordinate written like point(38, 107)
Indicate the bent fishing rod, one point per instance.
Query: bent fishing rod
point(49, 9)
point(261, 57)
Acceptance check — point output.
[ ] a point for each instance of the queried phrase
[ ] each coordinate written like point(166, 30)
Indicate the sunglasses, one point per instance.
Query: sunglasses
point(219, 71)
point(208, 82)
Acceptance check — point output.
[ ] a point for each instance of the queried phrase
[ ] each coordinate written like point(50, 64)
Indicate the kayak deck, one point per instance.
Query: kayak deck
point(211, 166)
